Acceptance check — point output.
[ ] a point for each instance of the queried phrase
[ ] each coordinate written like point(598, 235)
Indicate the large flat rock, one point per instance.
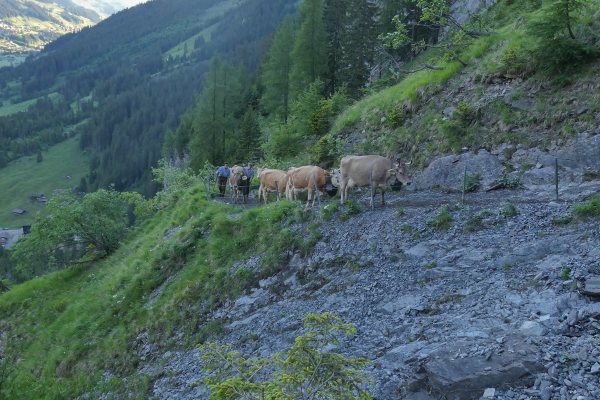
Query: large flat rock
point(592, 286)
point(467, 378)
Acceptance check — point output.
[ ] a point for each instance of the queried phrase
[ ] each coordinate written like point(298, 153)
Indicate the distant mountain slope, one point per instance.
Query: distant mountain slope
point(116, 77)
point(107, 7)
point(30, 25)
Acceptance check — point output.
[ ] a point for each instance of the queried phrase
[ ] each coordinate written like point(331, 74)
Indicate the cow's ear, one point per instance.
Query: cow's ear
point(392, 171)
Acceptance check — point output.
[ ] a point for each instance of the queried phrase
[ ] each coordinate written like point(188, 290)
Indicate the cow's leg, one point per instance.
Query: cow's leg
point(260, 191)
point(311, 196)
point(342, 191)
point(382, 198)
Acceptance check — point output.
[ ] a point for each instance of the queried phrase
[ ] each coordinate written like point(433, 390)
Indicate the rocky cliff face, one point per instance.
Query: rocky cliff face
point(498, 305)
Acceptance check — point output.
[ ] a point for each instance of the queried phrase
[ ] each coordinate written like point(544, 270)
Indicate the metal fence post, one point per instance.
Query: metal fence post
point(556, 176)
point(317, 191)
point(372, 195)
point(464, 185)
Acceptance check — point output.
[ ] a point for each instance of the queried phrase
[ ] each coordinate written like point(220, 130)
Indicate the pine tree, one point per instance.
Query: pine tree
point(208, 121)
point(39, 156)
point(276, 78)
point(309, 56)
point(334, 20)
point(358, 42)
point(248, 143)
point(214, 121)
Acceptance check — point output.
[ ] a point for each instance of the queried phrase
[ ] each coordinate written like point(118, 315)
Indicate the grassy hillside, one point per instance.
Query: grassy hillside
point(69, 327)
point(215, 11)
point(84, 329)
point(25, 176)
point(436, 112)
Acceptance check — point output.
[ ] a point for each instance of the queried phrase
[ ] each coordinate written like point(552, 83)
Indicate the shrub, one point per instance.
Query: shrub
point(396, 117)
point(509, 210)
point(472, 182)
point(309, 369)
point(353, 208)
point(588, 209)
point(516, 60)
point(559, 51)
point(507, 181)
point(442, 219)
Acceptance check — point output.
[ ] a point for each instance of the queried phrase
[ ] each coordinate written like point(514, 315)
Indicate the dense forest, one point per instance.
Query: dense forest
point(316, 64)
point(261, 80)
point(116, 79)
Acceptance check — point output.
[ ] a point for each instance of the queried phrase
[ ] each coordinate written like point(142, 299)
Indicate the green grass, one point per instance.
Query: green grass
point(381, 103)
point(589, 209)
point(69, 326)
point(442, 219)
point(25, 176)
point(15, 108)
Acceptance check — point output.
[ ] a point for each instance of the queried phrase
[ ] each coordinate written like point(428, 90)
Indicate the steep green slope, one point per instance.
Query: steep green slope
point(503, 94)
point(61, 331)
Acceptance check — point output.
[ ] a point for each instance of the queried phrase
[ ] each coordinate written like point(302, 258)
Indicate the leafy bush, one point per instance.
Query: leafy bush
point(324, 149)
point(307, 370)
point(509, 210)
point(517, 60)
point(466, 113)
point(93, 225)
point(353, 208)
point(472, 182)
point(396, 117)
point(442, 219)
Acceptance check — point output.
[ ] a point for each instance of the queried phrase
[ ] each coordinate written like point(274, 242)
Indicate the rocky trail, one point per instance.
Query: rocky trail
point(496, 308)
point(502, 304)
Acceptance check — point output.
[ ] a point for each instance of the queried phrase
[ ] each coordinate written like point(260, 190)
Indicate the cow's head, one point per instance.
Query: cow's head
point(238, 176)
point(336, 177)
point(399, 172)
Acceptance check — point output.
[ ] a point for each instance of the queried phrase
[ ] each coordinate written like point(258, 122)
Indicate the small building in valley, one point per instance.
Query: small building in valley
point(18, 211)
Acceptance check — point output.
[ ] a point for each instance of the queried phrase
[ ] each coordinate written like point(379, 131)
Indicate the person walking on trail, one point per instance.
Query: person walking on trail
point(250, 175)
point(223, 174)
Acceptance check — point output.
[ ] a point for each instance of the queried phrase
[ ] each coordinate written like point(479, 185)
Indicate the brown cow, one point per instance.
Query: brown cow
point(355, 170)
point(301, 179)
point(267, 178)
point(238, 182)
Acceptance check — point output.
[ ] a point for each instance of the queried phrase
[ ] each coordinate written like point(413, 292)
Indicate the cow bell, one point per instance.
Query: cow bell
point(244, 178)
point(329, 188)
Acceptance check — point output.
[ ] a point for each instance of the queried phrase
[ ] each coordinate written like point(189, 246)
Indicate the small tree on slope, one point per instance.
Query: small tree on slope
point(308, 370)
